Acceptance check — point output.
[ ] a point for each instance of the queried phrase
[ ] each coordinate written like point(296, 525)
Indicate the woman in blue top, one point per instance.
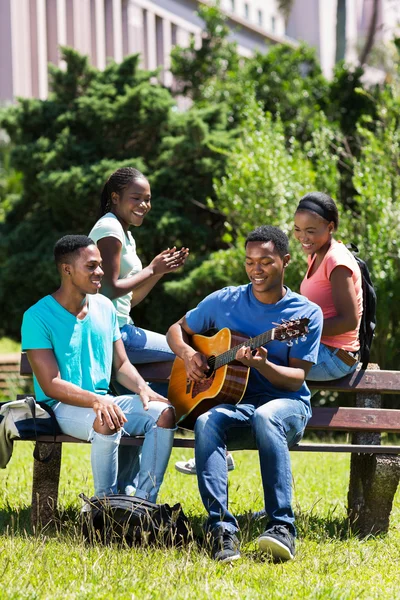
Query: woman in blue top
point(125, 201)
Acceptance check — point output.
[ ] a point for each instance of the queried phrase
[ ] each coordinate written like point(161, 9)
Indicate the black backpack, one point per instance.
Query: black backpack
point(136, 522)
point(368, 319)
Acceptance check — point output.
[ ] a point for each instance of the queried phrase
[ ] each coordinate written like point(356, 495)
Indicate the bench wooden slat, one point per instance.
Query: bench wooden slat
point(384, 382)
point(305, 447)
point(355, 419)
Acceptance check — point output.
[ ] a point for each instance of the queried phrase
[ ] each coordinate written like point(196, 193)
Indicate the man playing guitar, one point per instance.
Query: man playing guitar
point(276, 404)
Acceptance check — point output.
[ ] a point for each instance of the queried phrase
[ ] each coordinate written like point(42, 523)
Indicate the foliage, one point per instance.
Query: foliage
point(199, 69)
point(66, 146)
point(289, 83)
point(330, 562)
point(10, 182)
point(265, 177)
point(260, 133)
point(377, 182)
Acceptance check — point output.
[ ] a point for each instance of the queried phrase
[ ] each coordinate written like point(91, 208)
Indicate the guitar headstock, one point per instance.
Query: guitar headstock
point(291, 330)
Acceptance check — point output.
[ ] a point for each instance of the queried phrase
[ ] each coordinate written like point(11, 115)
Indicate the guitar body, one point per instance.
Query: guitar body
point(225, 385)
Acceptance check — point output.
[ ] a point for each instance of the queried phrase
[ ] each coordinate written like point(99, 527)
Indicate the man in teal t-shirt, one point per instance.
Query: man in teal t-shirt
point(73, 341)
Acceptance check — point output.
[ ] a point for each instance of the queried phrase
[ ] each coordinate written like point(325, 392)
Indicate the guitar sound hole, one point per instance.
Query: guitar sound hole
point(210, 371)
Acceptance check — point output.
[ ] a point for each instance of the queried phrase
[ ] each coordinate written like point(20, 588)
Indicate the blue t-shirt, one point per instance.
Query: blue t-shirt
point(83, 347)
point(238, 309)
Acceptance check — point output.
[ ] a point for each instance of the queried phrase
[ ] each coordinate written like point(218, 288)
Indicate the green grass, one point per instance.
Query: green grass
point(330, 563)
point(7, 345)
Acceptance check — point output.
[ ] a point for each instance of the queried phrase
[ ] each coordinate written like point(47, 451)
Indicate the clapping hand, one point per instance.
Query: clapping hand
point(169, 260)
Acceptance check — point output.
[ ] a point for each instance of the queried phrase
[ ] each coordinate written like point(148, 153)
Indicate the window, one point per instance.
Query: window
point(273, 23)
point(233, 5)
point(260, 17)
point(246, 10)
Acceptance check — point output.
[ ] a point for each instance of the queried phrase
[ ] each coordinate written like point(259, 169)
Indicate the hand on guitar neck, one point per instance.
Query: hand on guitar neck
point(252, 358)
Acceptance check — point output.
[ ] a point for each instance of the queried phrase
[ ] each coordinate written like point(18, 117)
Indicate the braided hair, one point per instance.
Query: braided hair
point(117, 182)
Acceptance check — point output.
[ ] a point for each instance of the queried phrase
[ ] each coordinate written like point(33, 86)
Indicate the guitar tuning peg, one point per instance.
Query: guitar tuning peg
point(303, 338)
point(289, 343)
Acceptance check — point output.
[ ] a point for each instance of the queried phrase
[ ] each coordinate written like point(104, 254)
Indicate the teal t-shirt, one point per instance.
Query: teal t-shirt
point(83, 347)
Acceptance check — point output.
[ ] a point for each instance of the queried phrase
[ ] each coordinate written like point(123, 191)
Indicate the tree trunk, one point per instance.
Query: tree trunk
point(369, 42)
point(340, 30)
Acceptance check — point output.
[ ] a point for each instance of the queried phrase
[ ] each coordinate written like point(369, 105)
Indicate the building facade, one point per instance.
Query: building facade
point(314, 21)
point(31, 32)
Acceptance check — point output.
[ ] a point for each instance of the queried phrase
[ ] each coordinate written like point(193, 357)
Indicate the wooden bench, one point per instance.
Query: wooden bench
point(374, 469)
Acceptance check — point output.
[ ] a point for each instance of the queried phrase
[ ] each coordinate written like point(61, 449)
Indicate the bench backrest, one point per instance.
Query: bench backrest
point(383, 382)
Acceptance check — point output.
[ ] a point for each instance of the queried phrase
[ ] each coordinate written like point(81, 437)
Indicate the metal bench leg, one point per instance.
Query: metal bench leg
point(373, 479)
point(46, 478)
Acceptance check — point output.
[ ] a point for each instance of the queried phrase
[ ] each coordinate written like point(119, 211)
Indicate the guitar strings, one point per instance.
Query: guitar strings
point(215, 362)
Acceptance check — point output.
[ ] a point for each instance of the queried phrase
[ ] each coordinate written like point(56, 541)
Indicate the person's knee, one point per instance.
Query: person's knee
point(103, 428)
point(167, 419)
point(201, 424)
point(266, 418)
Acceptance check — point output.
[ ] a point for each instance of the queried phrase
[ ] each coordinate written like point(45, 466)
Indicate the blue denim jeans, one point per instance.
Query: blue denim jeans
point(276, 425)
point(328, 366)
point(144, 346)
point(114, 467)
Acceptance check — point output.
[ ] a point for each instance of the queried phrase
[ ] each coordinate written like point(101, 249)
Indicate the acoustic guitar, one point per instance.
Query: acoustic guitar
point(226, 378)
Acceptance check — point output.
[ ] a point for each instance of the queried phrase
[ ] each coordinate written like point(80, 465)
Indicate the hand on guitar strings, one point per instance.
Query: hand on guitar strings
point(195, 365)
point(252, 358)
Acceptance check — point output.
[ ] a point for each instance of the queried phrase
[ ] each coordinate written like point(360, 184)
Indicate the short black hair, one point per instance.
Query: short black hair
point(69, 245)
point(268, 233)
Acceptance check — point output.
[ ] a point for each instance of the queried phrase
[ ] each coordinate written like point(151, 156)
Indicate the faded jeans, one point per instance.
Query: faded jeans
point(143, 346)
point(114, 467)
point(328, 366)
point(276, 425)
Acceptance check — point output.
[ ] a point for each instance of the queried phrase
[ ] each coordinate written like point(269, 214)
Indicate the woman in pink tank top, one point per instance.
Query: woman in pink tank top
point(333, 281)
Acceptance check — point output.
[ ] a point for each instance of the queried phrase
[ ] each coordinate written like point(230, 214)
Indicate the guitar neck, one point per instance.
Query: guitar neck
point(226, 357)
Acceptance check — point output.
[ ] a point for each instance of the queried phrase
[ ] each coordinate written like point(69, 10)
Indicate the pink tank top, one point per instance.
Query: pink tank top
point(318, 289)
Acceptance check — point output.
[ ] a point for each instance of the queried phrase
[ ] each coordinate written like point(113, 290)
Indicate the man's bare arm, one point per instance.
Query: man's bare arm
point(45, 367)
point(126, 374)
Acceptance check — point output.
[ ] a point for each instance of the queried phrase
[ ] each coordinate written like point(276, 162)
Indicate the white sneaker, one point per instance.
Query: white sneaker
point(189, 467)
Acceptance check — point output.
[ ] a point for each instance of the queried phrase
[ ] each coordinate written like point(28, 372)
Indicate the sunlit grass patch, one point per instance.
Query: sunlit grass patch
point(330, 563)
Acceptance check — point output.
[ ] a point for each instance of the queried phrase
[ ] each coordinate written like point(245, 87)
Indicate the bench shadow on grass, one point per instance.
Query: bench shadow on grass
point(17, 522)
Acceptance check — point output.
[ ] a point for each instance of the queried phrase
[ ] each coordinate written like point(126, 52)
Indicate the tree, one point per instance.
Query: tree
point(341, 19)
point(369, 42)
point(198, 70)
point(285, 7)
point(66, 146)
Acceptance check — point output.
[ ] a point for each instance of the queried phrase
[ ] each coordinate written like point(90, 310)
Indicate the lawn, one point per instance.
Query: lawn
point(7, 346)
point(330, 561)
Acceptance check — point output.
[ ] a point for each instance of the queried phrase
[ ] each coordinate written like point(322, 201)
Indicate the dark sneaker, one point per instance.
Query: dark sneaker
point(278, 542)
point(225, 545)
